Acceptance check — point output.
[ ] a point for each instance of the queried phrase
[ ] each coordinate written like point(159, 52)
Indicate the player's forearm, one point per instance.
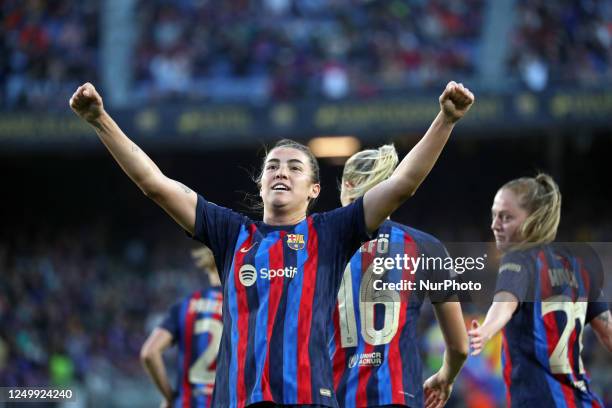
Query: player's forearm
point(387, 196)
point(417, 164)
point(134, 162)
point(498, 316)
point(154, 365)
point(453, 361)
point(450, 319)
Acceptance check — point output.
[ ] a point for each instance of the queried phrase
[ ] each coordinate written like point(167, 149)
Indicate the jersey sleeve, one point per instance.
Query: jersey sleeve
point(514, 275)
point(217, 227)
point(171, 321)
point(596, 308)
point(347, 227)
point(592, 271)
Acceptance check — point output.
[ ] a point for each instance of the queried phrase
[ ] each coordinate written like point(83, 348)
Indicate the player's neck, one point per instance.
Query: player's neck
point(280, 217)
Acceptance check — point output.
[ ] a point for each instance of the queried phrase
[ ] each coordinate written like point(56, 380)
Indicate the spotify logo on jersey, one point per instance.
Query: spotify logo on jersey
point(247, 275)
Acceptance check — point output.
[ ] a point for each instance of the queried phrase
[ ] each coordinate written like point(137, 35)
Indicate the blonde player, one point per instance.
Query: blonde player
point(546, 293)
point(375, 350)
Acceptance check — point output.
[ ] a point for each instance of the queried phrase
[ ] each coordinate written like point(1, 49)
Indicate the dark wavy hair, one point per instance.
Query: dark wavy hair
point(292, 144)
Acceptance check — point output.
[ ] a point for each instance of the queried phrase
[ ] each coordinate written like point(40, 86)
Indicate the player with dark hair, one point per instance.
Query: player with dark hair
point(546, 293)
point(374, 349)
point(195, 325)
point(280, 276)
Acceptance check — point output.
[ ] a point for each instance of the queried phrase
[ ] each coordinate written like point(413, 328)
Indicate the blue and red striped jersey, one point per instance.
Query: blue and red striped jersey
point(279, 289)
point(196, 327)
point(559, 291)
point(374, 347)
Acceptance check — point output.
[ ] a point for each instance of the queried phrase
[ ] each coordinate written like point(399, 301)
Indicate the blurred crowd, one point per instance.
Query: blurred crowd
point(302, 48)
point(564, 41)
point(261, 50)
point(70, 302)
point(241, 49)
point(47, 48)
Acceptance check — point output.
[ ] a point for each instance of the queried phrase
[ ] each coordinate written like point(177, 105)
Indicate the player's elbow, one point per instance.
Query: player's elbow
point(147, 354)
point(151, 189)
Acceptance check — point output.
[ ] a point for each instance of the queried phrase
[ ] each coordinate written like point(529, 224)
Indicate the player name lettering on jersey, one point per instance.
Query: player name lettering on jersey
point(562, 276)
point(204, 305)
point(510, 266)
point(380, 245)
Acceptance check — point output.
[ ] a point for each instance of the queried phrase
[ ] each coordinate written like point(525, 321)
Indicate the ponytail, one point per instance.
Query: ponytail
point(369, 167)
point(541, 198)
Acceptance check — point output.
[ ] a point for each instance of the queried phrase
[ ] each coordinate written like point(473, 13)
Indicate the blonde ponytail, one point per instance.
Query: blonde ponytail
point(541, 198)
point(367, 168)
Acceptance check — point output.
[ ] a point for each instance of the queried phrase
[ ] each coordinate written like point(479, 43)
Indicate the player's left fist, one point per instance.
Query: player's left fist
point(87, 103)
point(455, 101)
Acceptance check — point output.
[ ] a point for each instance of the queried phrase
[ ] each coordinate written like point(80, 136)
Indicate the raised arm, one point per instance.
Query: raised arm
point(438, 387)
point(175, 198)
point(387, 196)
point(500, 312)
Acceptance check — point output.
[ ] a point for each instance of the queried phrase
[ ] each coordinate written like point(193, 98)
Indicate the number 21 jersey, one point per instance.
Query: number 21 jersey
point(558, 287)
point(196, 327)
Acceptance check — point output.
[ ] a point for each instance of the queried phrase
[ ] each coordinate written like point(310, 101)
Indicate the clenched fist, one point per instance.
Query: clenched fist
point(87, 102)
point(455, 101)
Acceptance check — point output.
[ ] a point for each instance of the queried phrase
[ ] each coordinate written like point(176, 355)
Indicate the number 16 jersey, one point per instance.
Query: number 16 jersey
point(374, 347)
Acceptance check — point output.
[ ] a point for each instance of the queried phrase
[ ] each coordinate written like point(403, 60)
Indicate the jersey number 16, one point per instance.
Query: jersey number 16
point(368, 299)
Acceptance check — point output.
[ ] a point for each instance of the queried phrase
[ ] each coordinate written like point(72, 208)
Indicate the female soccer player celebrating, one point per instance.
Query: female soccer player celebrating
point(545, 295)
point(375, 351)
point(281, 276)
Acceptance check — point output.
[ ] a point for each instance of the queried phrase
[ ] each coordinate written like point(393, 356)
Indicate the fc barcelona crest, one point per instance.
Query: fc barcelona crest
point(295, 241)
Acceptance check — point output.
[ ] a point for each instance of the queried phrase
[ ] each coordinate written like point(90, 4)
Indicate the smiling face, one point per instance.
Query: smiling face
point(287, 183)
point(507, 217)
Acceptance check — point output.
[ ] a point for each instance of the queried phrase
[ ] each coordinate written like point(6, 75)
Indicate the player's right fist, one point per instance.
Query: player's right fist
point(455, 101)
point(87, 102)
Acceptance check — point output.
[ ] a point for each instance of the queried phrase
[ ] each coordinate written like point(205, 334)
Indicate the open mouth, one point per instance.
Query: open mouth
point(280, 187)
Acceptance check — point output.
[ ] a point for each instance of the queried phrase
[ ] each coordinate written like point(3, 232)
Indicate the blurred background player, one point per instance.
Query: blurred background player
point(195, 325)
point(375, 351)
point(545, 295)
